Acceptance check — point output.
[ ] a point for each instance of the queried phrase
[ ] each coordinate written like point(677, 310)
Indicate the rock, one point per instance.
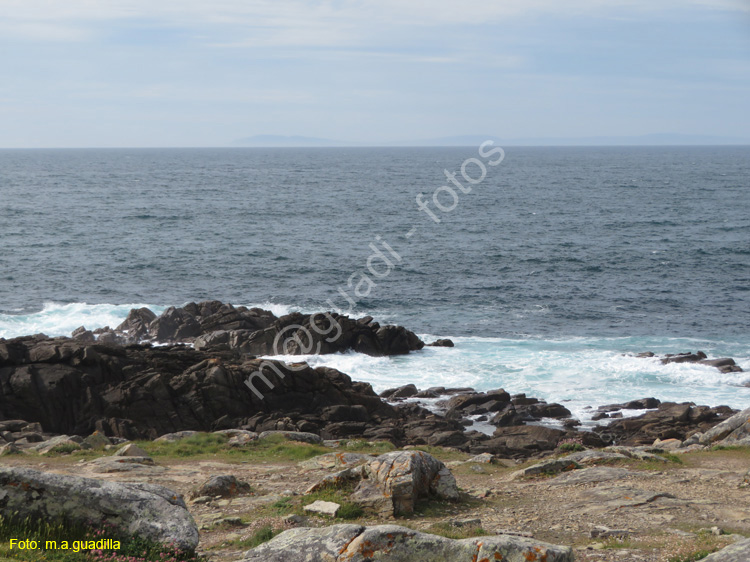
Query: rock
point(109, 465)
point(321, 507)
point(592, 475)
point(149, 511)
point(236, 432)
point(175, 324)
point(10, 449)
point(731, 431)
point(442, 343)
point(242, 439)
point(59, 443)
point(131, 450)
point(484, 458)
point(521, 441)
point(668, 444)
point(294, 520)
point(737, 552)
point(393, 482)
point(602, 532)
point(223, 485)
point(472, 522)
point(301, 436)
point(338, 479)
point(547, 467)
point(668, 421)
point(355, 543)
point(641, 404)
point(405, 391)
point(84, 335)
point(176, 436)
point(96, 441)
point(136, 324)
point(336, 460)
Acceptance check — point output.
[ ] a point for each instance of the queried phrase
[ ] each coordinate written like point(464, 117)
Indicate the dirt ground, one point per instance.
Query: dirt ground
point(662, 511)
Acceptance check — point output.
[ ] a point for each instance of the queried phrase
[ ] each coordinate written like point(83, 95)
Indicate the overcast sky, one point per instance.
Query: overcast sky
point(197, 73)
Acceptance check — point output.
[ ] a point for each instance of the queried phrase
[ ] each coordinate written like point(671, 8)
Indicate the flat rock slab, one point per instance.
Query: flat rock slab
point(618, 496)
point(355, 543)
point(301, 436)
point(108, 465)
point(594, 456)
point(592, 475)
point(321, 507)
point(335, 460)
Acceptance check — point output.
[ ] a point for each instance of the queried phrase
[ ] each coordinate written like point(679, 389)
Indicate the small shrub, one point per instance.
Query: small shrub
point(350, 510)
point(570, 445)
point(64, 448)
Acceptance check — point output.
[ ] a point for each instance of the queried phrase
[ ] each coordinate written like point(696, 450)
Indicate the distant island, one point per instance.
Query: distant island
point(656, 139)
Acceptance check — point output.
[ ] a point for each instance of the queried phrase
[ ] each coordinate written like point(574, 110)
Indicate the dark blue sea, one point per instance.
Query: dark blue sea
point(551, 270)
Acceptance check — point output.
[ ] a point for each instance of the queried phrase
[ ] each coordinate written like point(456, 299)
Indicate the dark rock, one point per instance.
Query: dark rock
point(442, 343)
point(136, 324)
point(520, 441)
point(405, 391)
point(668, 421)
point(641, 404)
point(83, 335)
point(224, 485)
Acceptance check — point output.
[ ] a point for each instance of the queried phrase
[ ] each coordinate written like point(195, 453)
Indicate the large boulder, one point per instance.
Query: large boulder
point(393, 482)
point(149, 511)
point(355, 543)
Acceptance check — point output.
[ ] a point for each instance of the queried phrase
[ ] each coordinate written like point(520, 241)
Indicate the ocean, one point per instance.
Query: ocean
point(548, 274)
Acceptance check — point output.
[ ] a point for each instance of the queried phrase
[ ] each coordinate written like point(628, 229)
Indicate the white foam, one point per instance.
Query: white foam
point(61, 319)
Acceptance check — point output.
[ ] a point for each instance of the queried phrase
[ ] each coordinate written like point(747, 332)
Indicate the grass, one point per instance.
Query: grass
point(209, 445)
point(697, 555)
point(349, 510)
point(452, 532)
point(264, 534)
point(132, 549)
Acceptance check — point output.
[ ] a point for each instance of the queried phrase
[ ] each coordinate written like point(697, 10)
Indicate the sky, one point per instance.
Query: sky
point(132, 73)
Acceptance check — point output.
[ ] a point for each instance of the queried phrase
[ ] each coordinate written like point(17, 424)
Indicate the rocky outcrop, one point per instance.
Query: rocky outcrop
point(732, 431)
point(668, 421)
point(304, 334)
point(724, 364)
point(71, 387)
point(133, 509)
point(393, 482)
point(216, 326)
point(355, 543)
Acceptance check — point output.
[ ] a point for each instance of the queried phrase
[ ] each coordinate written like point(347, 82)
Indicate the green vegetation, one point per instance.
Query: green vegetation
point(349, 510)
point(203, 445)
point(264, 534)
point(132, 549)
point(697, 555)
point(65, 448)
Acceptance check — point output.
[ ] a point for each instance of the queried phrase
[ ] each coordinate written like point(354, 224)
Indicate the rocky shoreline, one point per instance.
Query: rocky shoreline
point(189, 369)
point(185, 374)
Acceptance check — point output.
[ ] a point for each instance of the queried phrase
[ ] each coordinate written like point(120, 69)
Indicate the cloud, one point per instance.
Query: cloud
point(306, 22)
